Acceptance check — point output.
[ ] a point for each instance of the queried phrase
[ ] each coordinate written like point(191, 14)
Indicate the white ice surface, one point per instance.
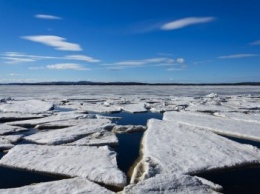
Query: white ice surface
point(60, 117)
point(66, 186)
point(170, 183)
point(254, 118)
point(97, 108)
point(169, 147)
point(18, 116)
point(209, 108)
point(29, 106)
point(7, 129)
point(134, 107)
point(98, 164)
point(97, 139)
point(70, 134)
point(225, 126)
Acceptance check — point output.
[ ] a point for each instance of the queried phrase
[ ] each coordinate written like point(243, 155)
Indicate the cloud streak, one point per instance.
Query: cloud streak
point(17, 58)
point(181, 23)
point(47, 17)
point(59, 43)
point(237, 56)
point(67, 66)
point(257, 42)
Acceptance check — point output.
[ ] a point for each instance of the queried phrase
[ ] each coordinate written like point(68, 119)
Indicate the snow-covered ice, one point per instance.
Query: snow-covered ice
point(225, 126)
point(66, 186)
point(172, 183)
point(98, 164)
point(169, 147)
point(60, 117)
point(28, 106)
point(254, 118)
point(8, 129)
point(4, 117)
point(70, 134)
point(134, 107)
point(97, 139)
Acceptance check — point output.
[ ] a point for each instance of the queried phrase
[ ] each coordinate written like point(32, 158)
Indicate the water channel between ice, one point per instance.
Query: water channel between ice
point(242, 180)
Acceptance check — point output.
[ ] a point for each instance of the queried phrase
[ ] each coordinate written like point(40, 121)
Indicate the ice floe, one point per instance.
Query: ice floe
point(169, 147)
point(172, 183)
point(5, 117)
point(98, 164)
point(66, 186)
point(69, 134)
point(254, 118)
point(60, 117)
point(97, 139)
point(134, 107)
point(28, 106)
point(225, 126)
point(8, 129)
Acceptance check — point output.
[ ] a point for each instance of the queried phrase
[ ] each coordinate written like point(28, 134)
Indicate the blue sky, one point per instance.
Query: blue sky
point(183, 41)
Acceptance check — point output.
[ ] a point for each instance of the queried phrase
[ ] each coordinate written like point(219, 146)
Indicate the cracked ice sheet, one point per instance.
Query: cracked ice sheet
point(169, 147)
point(171, 183)
point(66, 186)
point(8, 129)
point(60, 117)
point(70, 134)
point(29, 106)
point(254, 118)
point(134, 107)
point(98, 164)
point(18, 116)
point(97, 139)
point(225, 126)
point(88, 107)
point(209, 108)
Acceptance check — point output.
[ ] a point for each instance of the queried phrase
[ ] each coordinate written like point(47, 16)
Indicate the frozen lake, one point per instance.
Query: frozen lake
point(108, 91)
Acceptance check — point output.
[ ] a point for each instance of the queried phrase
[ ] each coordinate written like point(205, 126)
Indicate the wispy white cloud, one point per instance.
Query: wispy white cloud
point(59, 43)
point(16, 60)
point(15, 74)
point(175, 69)
point(47, 17)
point(257, 42)
point(67, 66)
point(236, 56)
point(36, 68)
point(181, 23)
point(151, 62)
point(82, 58)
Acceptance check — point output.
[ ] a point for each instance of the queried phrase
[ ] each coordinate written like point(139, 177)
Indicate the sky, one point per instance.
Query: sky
point(166, 41)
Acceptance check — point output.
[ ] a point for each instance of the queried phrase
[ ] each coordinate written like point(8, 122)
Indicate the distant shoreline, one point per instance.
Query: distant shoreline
point(134, 83)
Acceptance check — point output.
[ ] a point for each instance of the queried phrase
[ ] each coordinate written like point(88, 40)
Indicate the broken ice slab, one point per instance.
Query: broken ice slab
point(8, 129)
point(128, 128)
point(254, 118)
point(60, 117)
point(4, 117)
point(209, 108)
point(97, 139)
point(97, 108)
point(169, 147)
point(70, 134)
point(98, 164)
point(134, 107)
point(28, 106)
point(66, 186)
point(224, 126)
point(172, 183)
